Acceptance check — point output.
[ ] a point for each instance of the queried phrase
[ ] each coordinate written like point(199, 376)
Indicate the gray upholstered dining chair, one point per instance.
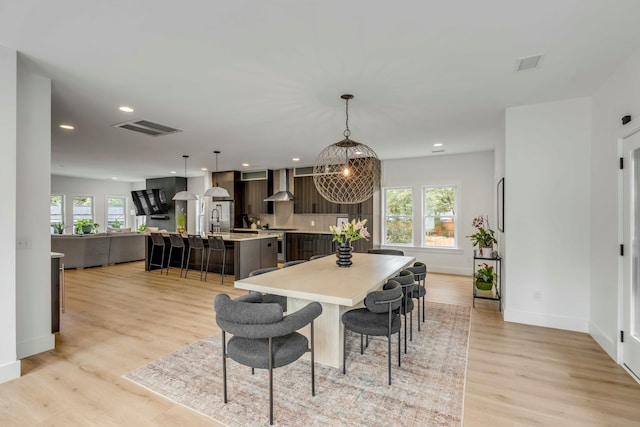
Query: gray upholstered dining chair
point(419, 271)
point(380, 317)
point(270, 297)
point(405, 279)
point(386, 252)
point(263, 338)
point(292, 263)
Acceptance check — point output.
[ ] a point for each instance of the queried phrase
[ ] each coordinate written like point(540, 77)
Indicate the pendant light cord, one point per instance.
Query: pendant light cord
point(347, 132)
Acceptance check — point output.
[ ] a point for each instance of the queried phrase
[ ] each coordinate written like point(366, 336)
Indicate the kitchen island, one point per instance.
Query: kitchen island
point(245, 253)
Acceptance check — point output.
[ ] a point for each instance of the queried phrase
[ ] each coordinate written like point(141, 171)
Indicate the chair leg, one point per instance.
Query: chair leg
point(224, 367)
point(188, 259)
point(423, 298)
point(270, 381)
point(201, 262)
point(389, 355)
point(169, 260)
point(206, 270)
point(399, 351)
point(418, 312)
point(405, 332)
point(313, 370)
point(181, 262)
point(224, 261)
point(411, 325)
point(361, 343)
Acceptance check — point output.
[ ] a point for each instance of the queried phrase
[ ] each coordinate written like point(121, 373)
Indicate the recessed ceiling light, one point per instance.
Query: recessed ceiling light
point(296, 159)
point(438, 144)
point(126, 109)
point(67, 126)
point(245, 164)
point(173, 172)
point(203, 169)
point(114, 177)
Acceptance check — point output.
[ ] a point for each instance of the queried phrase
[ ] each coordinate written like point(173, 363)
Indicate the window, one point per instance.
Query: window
point(440, 216)
point(82, 208)
point(398, 216)
point(115, 211)
point(56, 209)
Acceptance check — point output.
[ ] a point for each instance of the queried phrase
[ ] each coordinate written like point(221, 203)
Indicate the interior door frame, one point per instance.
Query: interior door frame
point(621, 261)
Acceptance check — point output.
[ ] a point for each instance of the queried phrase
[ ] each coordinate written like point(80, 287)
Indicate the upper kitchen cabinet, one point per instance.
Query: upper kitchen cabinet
point(256, 186)
point(309, 201)
point(230, 181)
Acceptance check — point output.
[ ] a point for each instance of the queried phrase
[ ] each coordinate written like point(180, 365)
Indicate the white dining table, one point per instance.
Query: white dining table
point(336, 289)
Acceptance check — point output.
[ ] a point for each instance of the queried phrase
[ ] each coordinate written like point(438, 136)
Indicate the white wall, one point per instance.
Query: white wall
point(33, 259)
point(547, 219)
point(9, 363)
point(99, 189)
point(474, 175)
point(619, 96)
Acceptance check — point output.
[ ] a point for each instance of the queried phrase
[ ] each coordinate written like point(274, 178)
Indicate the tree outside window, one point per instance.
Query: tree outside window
point(440, 216)
point(82, 208)
point(398, 216)
point(115, 211)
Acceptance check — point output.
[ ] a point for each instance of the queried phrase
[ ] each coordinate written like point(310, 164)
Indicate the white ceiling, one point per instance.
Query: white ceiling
point(261, 80)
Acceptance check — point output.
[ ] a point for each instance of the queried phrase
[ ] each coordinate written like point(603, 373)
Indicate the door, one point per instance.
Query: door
point(631, 277)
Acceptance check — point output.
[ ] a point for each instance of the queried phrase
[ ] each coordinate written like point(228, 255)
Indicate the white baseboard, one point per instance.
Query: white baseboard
point(547, 320)
point(448, 270)
point(35, 346)
point(9, 371)
point(607, 343)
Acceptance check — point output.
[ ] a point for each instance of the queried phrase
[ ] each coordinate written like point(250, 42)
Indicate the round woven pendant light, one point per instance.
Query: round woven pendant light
point(347, 172)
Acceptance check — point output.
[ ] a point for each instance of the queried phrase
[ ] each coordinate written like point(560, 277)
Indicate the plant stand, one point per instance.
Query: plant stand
point(492, 294)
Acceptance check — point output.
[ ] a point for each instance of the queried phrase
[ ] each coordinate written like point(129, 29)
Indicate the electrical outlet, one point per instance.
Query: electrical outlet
point(23, 243)
point(537, 295)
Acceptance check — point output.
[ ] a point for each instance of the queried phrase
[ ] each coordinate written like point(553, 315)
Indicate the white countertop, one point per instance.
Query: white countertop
point(57, 255)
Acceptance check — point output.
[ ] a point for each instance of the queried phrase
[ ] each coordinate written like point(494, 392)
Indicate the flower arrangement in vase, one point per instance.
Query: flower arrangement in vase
point(484, 237)
point(346, 234)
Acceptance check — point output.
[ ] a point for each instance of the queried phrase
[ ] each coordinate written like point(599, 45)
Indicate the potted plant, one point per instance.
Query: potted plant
point(485, 277)
point(116, 223)
point(181, 222)
point(484, 237)
point(86, 226)
point(58, 228)
point(142, 228)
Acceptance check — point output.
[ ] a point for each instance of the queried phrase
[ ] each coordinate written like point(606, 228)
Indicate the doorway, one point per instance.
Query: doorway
point(631, 260)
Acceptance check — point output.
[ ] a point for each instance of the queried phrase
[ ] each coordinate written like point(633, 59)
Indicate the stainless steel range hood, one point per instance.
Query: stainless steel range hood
point(283, 194)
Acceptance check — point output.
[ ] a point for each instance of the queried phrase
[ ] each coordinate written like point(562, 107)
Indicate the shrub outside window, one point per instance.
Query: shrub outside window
point(398, 216)
point(440, 216)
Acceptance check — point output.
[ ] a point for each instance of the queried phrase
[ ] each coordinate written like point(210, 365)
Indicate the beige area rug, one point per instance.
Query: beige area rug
point(427, 390)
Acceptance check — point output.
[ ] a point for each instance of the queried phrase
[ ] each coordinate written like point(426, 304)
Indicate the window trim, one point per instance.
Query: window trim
point(62, 209)
point(93, 208)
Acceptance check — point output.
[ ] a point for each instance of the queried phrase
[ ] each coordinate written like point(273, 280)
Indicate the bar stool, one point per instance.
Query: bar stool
point(216, 244)
point(177, 242)
point(157, 241)
point(195, 243)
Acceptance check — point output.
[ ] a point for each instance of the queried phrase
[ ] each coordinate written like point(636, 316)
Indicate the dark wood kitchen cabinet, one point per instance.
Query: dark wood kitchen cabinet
point(253, 194)
point(308, 200)
point(305, 245)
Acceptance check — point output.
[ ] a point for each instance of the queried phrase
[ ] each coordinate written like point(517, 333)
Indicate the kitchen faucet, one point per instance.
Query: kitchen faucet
point(215, 218)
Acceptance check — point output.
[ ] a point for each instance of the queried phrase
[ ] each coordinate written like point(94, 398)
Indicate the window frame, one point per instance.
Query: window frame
point(123, 222)
point(423, 216)
point(383, 240)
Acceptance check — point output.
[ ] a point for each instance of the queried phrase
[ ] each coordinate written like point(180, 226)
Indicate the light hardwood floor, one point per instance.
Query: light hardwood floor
point(121, 317)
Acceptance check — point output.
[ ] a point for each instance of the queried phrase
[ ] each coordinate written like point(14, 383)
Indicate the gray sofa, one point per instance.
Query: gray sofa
point(92, 250)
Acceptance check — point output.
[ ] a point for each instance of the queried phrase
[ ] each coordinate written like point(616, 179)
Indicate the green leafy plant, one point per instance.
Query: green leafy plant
point(350, 231)
point(116, 223)
point(485, 276)
point(142, 228)
point(484, 237)
point(84, 222)
point(58, 227)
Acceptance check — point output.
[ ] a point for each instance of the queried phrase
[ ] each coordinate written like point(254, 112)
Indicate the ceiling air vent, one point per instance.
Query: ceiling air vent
point(528, 63)
point(147, 127)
